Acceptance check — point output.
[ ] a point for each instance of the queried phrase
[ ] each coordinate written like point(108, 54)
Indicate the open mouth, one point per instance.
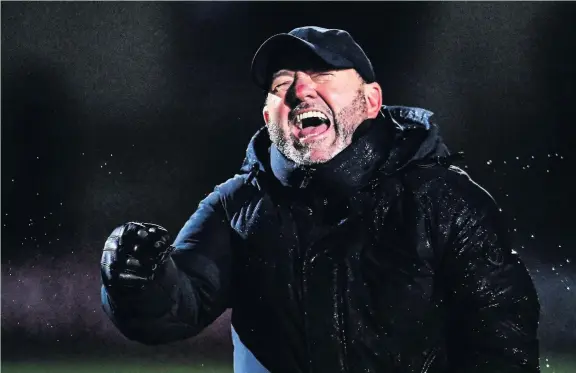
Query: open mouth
point(311, 123)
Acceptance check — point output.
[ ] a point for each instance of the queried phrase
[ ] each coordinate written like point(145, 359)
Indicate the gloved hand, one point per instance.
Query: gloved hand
point(133, 256)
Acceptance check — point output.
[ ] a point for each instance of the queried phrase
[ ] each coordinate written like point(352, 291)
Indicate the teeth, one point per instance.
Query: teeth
point(311, 114)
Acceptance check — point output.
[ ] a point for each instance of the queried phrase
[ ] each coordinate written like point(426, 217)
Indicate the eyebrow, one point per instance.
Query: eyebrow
point(282, 73)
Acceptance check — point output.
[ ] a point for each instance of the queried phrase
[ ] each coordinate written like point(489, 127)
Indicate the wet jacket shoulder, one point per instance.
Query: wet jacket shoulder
point(491, 302)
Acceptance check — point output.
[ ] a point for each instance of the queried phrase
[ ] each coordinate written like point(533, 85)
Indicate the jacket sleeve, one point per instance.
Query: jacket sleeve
point(493, 308)
point(193, 289)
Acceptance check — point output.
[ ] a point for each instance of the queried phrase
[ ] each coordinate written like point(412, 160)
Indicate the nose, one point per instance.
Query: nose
point(302, 88)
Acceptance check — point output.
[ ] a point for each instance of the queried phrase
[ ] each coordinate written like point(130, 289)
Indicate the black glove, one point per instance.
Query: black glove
point(134, 255)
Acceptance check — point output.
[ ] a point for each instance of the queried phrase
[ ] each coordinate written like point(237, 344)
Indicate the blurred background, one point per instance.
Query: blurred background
point(118, 111)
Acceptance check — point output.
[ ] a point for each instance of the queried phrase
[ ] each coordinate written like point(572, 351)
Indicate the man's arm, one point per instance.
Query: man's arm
point(192, 289)
point(493, 308)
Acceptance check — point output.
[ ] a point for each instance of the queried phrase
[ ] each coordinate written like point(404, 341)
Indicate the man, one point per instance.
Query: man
point(347, 243)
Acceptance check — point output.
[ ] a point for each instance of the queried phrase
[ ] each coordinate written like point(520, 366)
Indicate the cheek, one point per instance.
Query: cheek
point(277, 111)
point(273, 100)
point(336, 99)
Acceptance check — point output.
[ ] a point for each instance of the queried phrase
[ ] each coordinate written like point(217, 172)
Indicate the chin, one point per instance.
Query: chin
point(317, 152)
point(318, 156)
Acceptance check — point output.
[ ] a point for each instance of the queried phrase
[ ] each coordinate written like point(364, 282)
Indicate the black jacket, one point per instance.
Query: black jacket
point(385, 259)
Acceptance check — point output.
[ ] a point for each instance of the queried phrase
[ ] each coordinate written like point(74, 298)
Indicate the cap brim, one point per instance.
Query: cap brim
point(290, 43)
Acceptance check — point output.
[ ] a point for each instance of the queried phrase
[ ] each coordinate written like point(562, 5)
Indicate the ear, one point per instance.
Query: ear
point(373, 94)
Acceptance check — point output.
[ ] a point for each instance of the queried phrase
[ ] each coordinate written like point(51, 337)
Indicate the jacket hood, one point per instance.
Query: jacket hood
point(398, 137)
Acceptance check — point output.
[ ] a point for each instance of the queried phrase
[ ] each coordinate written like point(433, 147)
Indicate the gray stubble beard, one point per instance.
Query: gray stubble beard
point(345, 123)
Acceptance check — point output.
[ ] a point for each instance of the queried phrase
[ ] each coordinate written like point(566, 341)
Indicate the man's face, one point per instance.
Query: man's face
point(312, 114)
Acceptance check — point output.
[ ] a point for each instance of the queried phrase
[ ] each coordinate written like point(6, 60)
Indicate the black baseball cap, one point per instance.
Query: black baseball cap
point(334, 48)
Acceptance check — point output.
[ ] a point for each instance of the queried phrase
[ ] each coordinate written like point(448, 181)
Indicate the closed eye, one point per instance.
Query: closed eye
point(322, 76)
point(281, 86)
point(323, 73)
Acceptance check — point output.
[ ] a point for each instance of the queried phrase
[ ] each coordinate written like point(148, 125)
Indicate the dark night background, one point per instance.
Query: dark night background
point(134, 111)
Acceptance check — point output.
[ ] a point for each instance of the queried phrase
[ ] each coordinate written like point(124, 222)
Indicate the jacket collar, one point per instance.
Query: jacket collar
point(349, 170)
point(398, 137)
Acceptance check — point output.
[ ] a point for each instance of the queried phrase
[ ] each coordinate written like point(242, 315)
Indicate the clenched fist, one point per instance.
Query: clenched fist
point(133, 254)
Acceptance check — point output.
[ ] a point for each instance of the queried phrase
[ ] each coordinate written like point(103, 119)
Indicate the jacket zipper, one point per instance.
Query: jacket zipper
point(301, 265)
point(429, 360)
point(341, 321)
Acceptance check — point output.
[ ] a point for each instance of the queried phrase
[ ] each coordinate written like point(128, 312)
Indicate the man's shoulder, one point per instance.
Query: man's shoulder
point(236, 191)
point(232, 185)
point(447, 183)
